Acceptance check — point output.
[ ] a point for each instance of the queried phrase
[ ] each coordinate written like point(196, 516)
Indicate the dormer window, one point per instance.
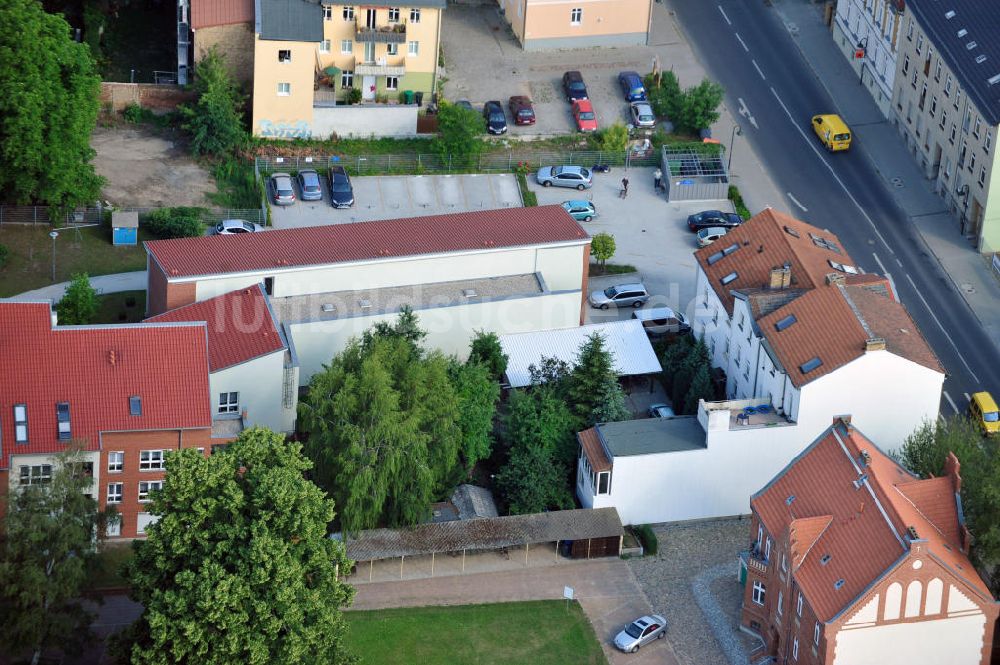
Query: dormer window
point(62, 420)
point(135, 405)
point(21, 423)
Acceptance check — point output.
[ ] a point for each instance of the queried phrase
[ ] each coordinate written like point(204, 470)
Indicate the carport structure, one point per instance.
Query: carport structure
point(694, 172)
point(590, 533)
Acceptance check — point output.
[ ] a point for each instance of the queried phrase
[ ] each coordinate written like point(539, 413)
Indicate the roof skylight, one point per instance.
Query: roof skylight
point(810, 365)
point(785, 322)
point(731, 277)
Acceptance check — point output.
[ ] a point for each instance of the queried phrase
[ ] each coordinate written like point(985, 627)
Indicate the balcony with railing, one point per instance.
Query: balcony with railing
point(755, 559)
point(393, 33)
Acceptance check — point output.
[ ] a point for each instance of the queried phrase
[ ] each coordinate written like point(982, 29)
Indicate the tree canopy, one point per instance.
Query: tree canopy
point(486, 350)
point(215, 119)
point(239, 568)
point(48, 108)
point(79, 304)
point(602, 246)
point(459, 133)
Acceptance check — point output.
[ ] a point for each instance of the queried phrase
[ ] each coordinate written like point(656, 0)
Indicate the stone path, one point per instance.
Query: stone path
point(122, 281)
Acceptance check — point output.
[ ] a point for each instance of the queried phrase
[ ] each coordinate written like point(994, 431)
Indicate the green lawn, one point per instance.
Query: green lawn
point(87, 250)
point(546, 632)
point(124, 307)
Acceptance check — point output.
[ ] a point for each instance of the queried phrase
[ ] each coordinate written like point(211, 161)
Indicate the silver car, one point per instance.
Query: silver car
point(642, 114)
point(577, 177)
point(661, 411)
point(281, 190)
point(640, 632)
point(707, 236)
point(309, 185)
point(228, 227)
point(620, 295)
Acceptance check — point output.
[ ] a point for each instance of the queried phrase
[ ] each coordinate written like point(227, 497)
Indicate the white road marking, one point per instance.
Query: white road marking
point(812, 144)
point(796, 202)
point(723, 12)
point(950, 400)
point(968, 397)
point(742, 43)
point(946, 335)
point(888, 277)
point(899, 262)
point(757, 67)
point(941, 419)
point(745, 112)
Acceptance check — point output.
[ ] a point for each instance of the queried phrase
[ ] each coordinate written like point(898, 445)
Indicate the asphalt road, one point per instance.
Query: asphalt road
point(745, 47)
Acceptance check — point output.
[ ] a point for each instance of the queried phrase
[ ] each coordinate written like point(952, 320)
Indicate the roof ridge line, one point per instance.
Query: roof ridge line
point(856, 311)
point(829, 521)
point(917, 508)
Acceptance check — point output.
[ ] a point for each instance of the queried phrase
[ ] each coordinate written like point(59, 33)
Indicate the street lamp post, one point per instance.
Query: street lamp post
point(737, 131)
point(863, 50)
point(54, 235)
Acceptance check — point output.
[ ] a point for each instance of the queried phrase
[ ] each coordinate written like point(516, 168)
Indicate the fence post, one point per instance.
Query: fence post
point(510, 160)
point(388, 163)
point(449, 162)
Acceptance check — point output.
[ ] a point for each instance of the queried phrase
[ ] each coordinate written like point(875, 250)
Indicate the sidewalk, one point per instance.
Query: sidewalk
point(123, 281)
point(883, 146)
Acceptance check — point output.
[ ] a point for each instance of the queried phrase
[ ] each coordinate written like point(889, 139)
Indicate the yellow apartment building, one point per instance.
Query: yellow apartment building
point(557, 24)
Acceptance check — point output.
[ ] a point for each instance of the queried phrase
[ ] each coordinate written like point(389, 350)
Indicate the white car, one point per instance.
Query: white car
point(229, 227)
point(641, 631)
point(707, 236)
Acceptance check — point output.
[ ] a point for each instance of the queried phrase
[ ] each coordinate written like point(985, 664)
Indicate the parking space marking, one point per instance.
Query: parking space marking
point(723, 12)
point(797, 202)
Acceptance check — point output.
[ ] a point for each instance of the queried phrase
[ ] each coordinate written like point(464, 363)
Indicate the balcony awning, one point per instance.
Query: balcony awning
point(378, 70)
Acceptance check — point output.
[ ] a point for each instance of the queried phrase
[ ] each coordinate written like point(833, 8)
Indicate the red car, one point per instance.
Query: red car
point(521, 110)
point(583, 113)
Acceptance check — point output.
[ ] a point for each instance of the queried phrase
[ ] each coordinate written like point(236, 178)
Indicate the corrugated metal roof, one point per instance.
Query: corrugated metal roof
point(365, 241)
point(209, 13)
point(626, 340)
point(485, 534)
point(649, 436)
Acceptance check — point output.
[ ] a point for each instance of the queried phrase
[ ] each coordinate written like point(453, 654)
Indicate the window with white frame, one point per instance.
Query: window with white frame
point(393, 14)
point(944, 119)
point(767, 549)
point(148, 486)
point(920, 43)
point(988, 143)
point(115, 492)
point(229, 402)
point(35, 474)
point(346, 79)
point(348, 13)
point(415, 15)
point(392, 49)
point(346, 47)
point(781, 601)
point(412, 48)
point(757, 595)
point(798, 604)
point(113, 528)
point(816, 633)
point(392, 83)
point(958, 96)
point(937, 70)
point(324, 46)
point(909, 29)
point(972, 162)
point(284, 55)
point(284, 89)
point(116, 461)
point(947, 85)
point(795, 649)
point(576, 16)
point(933, 108)
point(604, 482)
point(327, 13)
point(151, 460)
point(20, 423)
point(978, 126)
point(906, 64)
point(62, 421)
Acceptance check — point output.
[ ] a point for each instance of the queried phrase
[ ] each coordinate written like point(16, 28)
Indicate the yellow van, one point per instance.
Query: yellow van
point(984, 412)
point(832, 131)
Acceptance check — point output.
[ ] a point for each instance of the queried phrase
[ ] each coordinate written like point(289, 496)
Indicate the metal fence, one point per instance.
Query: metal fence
point(43, 215)
point(489, 162)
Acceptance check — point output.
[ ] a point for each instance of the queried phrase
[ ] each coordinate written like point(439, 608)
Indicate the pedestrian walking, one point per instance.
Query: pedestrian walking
point(657, 179)
point(624, 192)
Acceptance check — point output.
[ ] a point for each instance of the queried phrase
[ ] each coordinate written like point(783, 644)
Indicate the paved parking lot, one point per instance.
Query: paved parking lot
point(391, 197)
point(483, 62)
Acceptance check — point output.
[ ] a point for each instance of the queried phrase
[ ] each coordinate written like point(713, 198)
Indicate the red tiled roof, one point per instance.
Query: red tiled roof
point(240, 326)
point(96, 369)
point(803, 534)
point(365, 241)
point(928, 498)
point(592, 448)
point(209, 13)
point(859, 544)
point(764, 244)
point(834, 322)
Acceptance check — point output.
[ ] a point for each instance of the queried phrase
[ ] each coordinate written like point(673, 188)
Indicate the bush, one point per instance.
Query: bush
point(353, 95)
point(645, 534)
point(529, 198)
point(4, 256)
point(215, 121)
point(133, 113)
point(666, 98)
point(181, 222)
point(737, 199)
point(613, 138)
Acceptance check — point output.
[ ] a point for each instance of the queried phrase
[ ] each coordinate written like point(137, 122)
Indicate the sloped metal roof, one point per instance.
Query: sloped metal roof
point(473, 502)
point(630, 349)
point(485, 534)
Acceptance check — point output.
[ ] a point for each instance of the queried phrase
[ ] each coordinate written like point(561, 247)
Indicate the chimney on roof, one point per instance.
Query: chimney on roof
point(112, 358)
point(864, 459)
point(781, 277)
point(911, 533)
point(875, 344)
point(834, 278)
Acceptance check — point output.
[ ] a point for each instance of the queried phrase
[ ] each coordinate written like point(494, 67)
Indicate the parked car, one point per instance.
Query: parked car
point(707, 218)
point(280, 186)
point(309, 185)
point(341, 190)
point(659, 321)
point(661, 411)
point(640, 632)
point(465, 104)
point(581, 211)
point(583, 113)
point(521, 110)
point(632, 87)
point(228, 227)
point(642, 114)
point(620, 295)
point(496, 121)
point(984, 413)
point(573, 86)
point(710, 234)
point(565, 176)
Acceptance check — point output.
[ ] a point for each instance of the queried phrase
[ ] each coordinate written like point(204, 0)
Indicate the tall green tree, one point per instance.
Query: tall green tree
point(460, 133)
point(79, 304)
point(486, 349)
point(700, 107)
point(46, 544)
point(215, 119)
point(478, 393)
point(238, 568)
point(530, 482)
point(610, 404)
point(593, 390)
point(602, 246)
point(700, 389)
point(48, 108)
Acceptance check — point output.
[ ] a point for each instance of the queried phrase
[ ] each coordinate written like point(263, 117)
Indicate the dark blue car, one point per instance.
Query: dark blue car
point(632, 87)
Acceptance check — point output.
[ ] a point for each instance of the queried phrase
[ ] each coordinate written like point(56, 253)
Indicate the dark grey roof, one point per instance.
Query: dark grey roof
point(291, 20)
point(485, 534)
point(440, 4)
point(649, 436)
point(473, 502)
point(980, 19)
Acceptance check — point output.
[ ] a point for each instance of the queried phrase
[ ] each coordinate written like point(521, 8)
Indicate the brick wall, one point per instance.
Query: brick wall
point(116, 96)
point(234, 43)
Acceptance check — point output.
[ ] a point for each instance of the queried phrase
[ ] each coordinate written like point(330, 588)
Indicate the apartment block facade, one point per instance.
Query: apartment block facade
point(946, 105)
point(563, 24)
point(867, 32)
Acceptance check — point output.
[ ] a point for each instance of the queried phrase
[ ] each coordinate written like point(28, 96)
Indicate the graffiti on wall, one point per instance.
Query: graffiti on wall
point(285, 130)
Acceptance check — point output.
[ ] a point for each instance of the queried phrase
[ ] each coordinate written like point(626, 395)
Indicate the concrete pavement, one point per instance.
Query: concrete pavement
point(123, 281)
